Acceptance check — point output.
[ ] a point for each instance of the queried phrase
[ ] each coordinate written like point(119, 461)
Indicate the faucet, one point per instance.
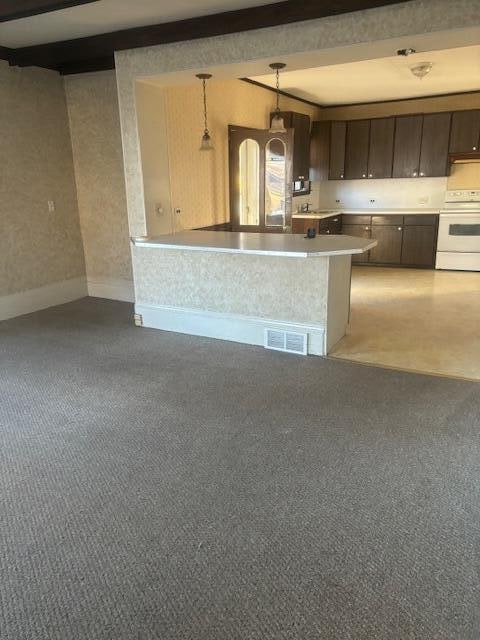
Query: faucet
point(305, 207)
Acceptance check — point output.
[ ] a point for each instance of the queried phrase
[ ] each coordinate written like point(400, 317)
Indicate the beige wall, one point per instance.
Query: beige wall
point(37, 247)
point(97, 152)
point(425, 105)
point(199, 181)
point(152, 132)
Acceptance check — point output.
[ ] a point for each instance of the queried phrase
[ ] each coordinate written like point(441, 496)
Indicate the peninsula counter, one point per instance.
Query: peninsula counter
point(234, 286)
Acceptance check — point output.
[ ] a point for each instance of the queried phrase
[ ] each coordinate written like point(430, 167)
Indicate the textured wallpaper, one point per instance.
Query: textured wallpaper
point(37, 247)
point(234, 283)
point(199, 181)
point(97, 152)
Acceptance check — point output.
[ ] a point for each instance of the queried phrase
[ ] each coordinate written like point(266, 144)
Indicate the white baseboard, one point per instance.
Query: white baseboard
point(18, 304)
point(111, 289)
point(237, 328)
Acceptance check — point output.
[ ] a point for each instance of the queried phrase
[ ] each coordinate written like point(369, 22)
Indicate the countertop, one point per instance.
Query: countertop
point(273, 244)
point(324, 213)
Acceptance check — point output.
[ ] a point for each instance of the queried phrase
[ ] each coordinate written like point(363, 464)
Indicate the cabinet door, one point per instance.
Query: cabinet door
point(319, 150)
point(465, 131)
point(434, 150)
point(300, 225)
point(389, 247)
point(418, 248)
point(380, 155)
point(356, 149)
point(360, 231)
point(301, 146)
point(338, 131)
point(406, 150)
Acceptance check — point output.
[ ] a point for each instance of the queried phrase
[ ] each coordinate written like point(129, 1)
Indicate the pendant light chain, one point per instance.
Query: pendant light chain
point(278, 89)
point(205, 104)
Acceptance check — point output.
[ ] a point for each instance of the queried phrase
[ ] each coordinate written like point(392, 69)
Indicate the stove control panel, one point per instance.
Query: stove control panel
point(463, 195)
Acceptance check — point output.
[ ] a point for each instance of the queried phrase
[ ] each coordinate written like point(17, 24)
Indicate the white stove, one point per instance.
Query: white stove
point(458, 245)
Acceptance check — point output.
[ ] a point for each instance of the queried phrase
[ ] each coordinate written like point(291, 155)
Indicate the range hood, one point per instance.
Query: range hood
point(462, 158)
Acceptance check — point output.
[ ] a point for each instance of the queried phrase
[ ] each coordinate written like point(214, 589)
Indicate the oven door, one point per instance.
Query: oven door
point(459, 232)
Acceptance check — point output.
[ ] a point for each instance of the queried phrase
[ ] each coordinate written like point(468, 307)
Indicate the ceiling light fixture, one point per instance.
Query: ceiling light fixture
point(421, 69)
point(206, 144)
point(277, 125)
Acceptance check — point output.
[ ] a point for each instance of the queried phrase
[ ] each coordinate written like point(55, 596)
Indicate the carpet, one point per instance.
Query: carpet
point(160, 486)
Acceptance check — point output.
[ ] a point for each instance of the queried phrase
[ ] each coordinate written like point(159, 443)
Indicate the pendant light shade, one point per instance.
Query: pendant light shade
point(206, 143)
point(277, 125)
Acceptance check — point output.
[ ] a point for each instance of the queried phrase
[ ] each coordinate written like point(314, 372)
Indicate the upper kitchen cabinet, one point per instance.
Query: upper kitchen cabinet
point(465, 133)
point(319, 150)
point(338, 132)
point(380, 155)
point(356, 149)
point(434, 148)
point(300, 123)
point(406, 153)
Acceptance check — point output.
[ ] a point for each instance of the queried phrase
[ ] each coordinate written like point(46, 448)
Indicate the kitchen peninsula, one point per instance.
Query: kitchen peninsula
point(237, 286)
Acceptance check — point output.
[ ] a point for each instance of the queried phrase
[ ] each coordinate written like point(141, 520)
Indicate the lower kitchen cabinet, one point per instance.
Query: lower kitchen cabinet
point(408, 241)
point(300, 225)
point(358, 231)
point(389, 247)
point(419, 244)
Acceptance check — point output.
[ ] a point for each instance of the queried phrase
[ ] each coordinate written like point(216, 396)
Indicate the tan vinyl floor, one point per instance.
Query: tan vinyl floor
point(420, 320)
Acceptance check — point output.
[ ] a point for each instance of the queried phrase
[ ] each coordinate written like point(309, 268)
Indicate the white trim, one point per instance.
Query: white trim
point(112, 289)
point(18, 304)
point(237, 328)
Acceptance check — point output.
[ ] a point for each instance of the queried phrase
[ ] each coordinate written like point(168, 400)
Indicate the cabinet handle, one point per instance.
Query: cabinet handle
point(474, 148)
point(341, 175)
point(414, 174)
point(399, 228)
point(328, 230)
point(364, 175)
point(367, 228)
point(335, 219)
point(370, 175)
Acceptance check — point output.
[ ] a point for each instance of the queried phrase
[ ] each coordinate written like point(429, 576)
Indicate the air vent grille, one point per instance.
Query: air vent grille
point(288, 341)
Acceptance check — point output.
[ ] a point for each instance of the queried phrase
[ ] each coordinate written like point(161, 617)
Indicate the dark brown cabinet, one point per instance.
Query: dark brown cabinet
point(401, 240)
point(380, 155)
point(465, 133)
point(319, 150)
point(300, 123)
point(434, 148)
point(300, 225)
point(324, 226)
point(408, 146)
point(331, 226)
point(358, 231)
point(338, 132)
point(389, 247)
point(406, 152)
point(356, 149)
point(418, 248)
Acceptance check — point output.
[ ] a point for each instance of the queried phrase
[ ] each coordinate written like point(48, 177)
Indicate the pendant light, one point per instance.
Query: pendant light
point(277, 125)
point(206, 144)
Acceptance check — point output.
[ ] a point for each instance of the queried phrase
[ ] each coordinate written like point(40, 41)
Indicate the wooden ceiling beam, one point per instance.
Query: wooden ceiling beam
point(75, 56)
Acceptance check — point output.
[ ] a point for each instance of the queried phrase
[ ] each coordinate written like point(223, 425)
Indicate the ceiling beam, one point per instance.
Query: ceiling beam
point(14, 10)
point(75, 56)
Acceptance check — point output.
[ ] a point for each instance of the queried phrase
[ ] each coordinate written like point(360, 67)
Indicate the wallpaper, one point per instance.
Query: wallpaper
point(199, 181)
point(37, 246)
point(258, 286)
point(97, 153)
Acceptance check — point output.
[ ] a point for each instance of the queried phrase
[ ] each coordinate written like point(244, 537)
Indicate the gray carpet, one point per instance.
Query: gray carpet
point(155, 485)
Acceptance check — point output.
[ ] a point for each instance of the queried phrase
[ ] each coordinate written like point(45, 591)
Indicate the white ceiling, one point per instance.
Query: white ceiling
point(454, 70)
point(109, 15)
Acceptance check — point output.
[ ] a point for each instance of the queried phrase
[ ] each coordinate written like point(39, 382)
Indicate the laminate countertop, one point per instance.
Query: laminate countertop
point(273, 244)
point(324, 213)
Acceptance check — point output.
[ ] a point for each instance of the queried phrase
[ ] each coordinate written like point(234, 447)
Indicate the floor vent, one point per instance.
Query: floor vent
point(288, 341)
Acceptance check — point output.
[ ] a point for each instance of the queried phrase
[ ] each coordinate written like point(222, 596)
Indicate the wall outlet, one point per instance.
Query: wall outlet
point(177, 210)
point(51, 206)
point(138, 319)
